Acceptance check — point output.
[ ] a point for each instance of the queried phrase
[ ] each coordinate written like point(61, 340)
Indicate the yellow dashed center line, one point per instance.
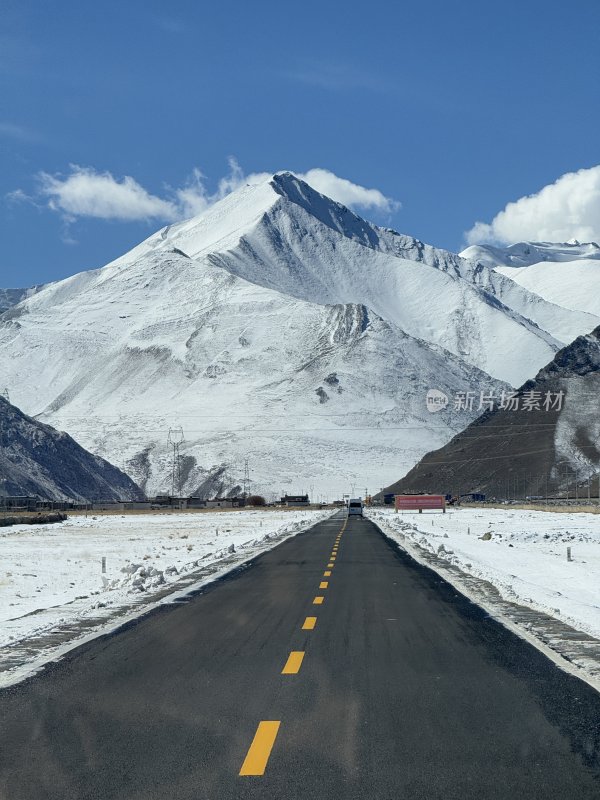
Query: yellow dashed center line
point(292, 665)
point(258, 755)
point(256, 760)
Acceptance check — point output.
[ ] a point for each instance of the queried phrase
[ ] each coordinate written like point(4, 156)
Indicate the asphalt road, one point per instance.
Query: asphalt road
point(400, 689)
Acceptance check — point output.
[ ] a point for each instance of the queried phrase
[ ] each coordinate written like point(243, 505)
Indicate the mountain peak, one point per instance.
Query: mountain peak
point(328, 211)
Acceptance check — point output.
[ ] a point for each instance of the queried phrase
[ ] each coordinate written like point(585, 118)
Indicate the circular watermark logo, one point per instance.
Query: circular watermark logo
point(436, 400)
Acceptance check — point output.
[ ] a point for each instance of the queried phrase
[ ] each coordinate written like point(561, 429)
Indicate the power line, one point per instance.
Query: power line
point(341, 429)
point(426, 463)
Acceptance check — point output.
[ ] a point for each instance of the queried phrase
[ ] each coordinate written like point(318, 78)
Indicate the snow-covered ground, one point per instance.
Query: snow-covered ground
point(51, 575)
point(525, 558)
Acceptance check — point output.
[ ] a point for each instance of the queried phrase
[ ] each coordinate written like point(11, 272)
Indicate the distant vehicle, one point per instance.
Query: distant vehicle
point(355, 507)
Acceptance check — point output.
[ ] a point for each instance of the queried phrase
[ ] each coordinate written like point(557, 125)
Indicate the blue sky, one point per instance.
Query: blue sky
point(452, 109)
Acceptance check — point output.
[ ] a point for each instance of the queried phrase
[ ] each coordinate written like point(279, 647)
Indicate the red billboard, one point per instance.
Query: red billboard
point(417, 502)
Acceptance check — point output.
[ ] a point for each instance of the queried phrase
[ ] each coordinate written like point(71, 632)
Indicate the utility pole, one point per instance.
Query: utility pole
point(175, 439)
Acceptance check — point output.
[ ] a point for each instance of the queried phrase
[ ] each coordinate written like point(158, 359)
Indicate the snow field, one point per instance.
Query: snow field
point(525, 557)
point(51, 575)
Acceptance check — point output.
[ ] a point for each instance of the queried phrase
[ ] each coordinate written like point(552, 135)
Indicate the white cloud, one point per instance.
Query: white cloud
point(348, 193)
point(567, 209)
point(192, 199)
point(85, 192)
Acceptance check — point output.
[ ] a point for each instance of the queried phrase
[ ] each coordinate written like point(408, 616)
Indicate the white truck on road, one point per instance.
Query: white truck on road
point(355, 507)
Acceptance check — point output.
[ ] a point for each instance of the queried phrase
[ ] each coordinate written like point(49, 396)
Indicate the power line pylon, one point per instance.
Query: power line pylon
point(175, 439)
point(246, 478)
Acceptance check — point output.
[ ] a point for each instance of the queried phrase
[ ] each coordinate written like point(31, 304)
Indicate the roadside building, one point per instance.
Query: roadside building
point(19, 502)
point(220, 502)
point(196, 502)
point(295, 500)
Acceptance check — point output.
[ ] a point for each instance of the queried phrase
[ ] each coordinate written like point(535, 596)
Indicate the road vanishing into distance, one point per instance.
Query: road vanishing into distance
point(333, 666)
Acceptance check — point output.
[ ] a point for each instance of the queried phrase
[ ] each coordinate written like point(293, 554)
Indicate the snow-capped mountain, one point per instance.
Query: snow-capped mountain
point(566, 274)
point(277, 326)
point(525, 254)
point(38, 461)
point(546, 439)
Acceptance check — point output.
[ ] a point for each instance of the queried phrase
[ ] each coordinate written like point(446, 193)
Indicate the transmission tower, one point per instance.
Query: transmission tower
point(246, 478)
point(5, 394)
point(175, 439)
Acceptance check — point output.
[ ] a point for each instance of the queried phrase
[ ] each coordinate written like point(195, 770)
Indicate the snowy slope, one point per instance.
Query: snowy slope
point(567, 275)
point(280, 326)
point(574, 285)
point(524, 254)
